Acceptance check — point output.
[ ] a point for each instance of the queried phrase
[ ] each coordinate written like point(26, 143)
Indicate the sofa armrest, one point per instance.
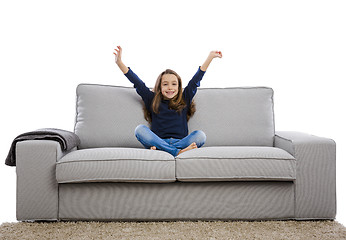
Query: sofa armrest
point(37, 187)
point(315, 186)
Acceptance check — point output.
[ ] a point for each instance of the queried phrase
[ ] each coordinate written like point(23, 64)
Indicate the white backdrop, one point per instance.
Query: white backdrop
point(49, 47)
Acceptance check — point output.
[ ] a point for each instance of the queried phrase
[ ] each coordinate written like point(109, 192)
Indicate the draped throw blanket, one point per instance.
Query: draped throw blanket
point(66, 139)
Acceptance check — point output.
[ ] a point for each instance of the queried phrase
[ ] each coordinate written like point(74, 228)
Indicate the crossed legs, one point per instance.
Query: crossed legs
point(173, 146)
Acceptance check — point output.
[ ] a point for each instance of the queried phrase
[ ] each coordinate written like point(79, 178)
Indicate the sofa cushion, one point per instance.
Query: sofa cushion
point(116, 165)
point(235, 116)
point(236, 164)
point(108, 115)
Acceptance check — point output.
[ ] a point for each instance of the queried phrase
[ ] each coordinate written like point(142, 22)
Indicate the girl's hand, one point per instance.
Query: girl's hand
point(118, 54)
point(118, 61)
point(214, 54)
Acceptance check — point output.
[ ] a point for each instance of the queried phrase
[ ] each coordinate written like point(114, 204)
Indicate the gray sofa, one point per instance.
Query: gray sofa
point(245, 170)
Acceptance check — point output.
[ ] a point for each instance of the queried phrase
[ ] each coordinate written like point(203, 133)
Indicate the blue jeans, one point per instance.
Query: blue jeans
point(170, 145)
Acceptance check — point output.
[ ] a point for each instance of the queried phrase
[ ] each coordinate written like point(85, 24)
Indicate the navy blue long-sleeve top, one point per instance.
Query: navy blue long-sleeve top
point(168, 123)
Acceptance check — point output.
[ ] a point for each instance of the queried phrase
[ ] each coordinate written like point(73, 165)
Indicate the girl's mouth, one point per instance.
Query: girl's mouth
point(169, 93)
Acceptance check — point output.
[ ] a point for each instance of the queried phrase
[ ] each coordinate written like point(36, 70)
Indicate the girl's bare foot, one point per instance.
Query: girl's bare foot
point(153, 148)
point(190, 147)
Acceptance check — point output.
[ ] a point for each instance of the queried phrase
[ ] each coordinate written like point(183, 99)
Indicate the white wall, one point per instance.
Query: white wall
point(49, 47)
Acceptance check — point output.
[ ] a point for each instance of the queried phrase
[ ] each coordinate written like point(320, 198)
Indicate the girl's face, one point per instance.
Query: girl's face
point(169, 86)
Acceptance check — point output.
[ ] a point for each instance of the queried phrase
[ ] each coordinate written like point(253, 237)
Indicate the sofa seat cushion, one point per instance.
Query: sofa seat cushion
point(116, 165)
point(236, 164)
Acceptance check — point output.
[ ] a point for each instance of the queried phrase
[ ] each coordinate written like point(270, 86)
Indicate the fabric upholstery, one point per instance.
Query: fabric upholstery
point(235, 116)
point(37, 188)
point(243, 171)
point(236, 164)
point(173, 201)
point(315, 186)
point(108, 115)
point(116, 165)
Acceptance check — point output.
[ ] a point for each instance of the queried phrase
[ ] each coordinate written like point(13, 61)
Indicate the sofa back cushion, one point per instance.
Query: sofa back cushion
point(235, 116)
point(107, 116)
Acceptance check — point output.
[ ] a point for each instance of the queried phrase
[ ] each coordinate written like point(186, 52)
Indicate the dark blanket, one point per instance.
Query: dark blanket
point(67, 140)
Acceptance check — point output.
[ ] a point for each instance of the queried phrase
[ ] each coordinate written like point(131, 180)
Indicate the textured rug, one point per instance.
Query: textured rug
point(175, 230)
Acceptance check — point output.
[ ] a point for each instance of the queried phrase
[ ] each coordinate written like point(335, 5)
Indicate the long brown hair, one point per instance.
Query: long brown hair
point(177, 103)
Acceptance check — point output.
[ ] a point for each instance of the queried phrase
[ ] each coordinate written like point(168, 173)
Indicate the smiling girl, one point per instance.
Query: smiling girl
point(168, 108)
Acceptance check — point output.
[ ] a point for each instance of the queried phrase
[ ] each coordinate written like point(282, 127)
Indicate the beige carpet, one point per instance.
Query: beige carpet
point(175, 230)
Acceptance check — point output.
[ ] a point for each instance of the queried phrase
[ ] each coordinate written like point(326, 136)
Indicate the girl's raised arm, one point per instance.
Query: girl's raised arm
point(118, 60)
point(212, 55)
point(146, 94)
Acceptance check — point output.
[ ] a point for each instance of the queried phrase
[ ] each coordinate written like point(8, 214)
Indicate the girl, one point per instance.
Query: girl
point(168, 108)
